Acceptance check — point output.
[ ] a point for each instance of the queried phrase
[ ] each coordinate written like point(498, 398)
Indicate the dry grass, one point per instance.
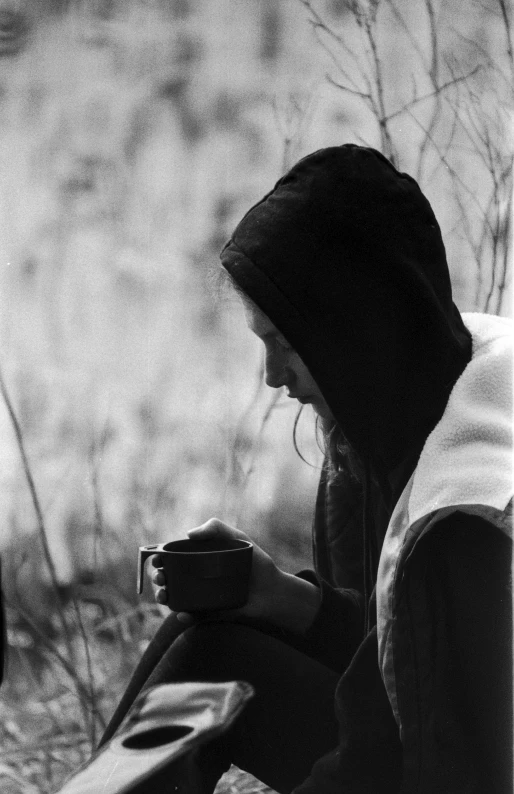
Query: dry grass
point(45, 737)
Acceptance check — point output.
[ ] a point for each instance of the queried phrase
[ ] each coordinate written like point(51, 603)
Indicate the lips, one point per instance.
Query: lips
point(302, 398)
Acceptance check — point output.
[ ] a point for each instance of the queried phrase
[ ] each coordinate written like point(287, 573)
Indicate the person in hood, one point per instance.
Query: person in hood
point(406, 622)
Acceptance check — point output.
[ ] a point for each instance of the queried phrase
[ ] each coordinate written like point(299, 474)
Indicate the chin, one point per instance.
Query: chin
point(323, 411)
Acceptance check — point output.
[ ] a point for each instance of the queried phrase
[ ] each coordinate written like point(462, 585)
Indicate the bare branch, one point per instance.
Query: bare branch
point(407, 30)
point(508, 34)
point(445, 152)
point(361, 94)
point(453, 117)
point(503, 281)
point(320, 26)
point(36, 503)
point(387, 141)
point(434, 63)
point(321, 22)
point(433, 73)
point(431, 94)
point(93, 705)
point(492, 285)
point(454, 174)
point(67, 665)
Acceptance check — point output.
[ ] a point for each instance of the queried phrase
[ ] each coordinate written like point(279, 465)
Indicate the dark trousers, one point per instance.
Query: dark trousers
point(289, 723)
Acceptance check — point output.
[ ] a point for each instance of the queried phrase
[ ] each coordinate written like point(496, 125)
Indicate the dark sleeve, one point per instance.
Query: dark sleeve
point(337, 629)
point(470, 563)
point(473, 560)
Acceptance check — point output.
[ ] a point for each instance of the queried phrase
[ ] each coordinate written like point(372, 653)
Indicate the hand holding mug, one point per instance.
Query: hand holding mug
point(263, 582)
point(273, 595)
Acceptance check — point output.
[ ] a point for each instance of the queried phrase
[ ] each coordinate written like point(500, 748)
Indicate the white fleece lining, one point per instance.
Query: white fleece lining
point(466, 460)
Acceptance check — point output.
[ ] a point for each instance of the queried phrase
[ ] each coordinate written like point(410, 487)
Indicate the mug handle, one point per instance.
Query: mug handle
point(144, 553)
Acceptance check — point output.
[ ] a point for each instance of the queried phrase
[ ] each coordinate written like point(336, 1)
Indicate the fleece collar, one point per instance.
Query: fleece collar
point(467, 459)
point(466, 464)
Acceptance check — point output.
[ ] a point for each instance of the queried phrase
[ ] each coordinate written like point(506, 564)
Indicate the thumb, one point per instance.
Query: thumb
point(214, 528)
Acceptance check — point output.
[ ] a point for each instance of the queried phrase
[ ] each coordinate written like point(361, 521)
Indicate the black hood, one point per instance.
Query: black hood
point(345, 257)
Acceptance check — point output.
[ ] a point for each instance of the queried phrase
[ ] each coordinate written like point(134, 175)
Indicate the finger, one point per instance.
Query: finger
point(159, 578)
point(209, 616)
point(161, 596)
point(214, 528)
point(229, 615)
point(185, 617)
point(156, 561)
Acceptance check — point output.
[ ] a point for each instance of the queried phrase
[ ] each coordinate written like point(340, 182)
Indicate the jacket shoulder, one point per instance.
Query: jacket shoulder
point(467, 459)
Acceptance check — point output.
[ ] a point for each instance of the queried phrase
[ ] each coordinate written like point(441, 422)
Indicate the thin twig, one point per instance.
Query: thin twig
point(387, 141)
point(361, 94)
point(320, 25)
point(506, 260)
point(265, 419)
point(431, 94)
point(400, 19)
point(433, 73)
point(81, 691)
point(37, 508)
point(508, 32)
point(95, 713)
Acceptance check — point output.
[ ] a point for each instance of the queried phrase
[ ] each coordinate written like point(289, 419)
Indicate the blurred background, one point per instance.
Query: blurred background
point(133, 136)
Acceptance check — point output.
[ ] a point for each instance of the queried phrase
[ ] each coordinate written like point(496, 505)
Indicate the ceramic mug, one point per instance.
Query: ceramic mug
point(202, 575)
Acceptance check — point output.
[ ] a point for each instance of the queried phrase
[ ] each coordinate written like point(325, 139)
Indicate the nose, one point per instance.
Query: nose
point(277, 372)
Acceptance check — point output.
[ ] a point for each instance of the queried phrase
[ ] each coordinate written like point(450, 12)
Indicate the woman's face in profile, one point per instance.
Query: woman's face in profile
point(284, 367)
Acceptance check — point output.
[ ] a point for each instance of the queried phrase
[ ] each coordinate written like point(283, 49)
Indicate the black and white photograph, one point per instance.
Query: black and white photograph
point(256, 384)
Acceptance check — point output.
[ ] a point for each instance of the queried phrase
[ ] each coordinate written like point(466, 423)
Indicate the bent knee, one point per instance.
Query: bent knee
point(221, 651)
point(221, 634)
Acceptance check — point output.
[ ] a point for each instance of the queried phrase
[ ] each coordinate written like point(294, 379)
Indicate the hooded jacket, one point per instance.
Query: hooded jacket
point(346, 258)
point(464, 471)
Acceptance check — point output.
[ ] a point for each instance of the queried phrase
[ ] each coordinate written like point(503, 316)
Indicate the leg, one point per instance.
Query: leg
point(168, 632)
point(287, 726)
